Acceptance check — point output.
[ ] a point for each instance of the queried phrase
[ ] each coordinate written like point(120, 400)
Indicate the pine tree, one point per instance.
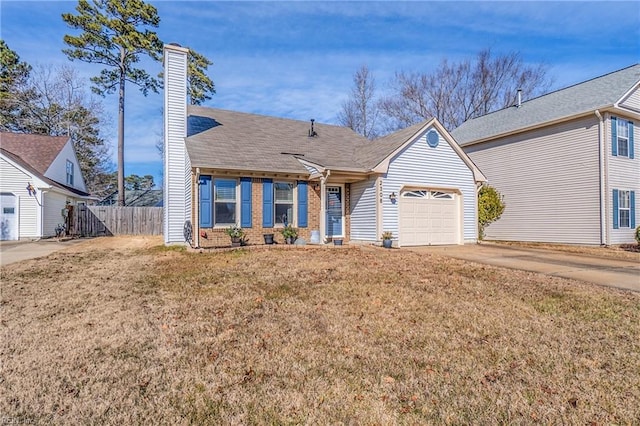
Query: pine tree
point(116, 34)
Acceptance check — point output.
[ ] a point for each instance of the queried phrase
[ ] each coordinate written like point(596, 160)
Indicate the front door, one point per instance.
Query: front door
point(335, 212)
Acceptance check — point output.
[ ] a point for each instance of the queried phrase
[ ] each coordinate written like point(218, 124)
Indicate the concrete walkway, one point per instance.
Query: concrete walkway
point(624, 274)
point(16, 251)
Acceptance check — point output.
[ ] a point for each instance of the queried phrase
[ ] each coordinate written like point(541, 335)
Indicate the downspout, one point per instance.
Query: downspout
point(323, 202)
point(479, 186)
point(196, 219)
point(41, 213)
point(604, 234)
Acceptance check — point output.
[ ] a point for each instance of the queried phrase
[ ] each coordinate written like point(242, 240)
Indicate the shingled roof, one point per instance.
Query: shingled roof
point(38, 151)
point(598, 93)
point(239, 141)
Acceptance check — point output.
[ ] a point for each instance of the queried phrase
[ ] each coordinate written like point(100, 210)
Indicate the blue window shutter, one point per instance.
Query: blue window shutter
point(630, 139)
point(206, 202)
point(615, 209)
point(614, 136)
point(267, 203)
point(632, 212)
point(303, 195)
point(245, 203)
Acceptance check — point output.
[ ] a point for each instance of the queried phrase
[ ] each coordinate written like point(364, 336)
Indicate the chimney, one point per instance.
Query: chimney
point(519, 101)
point(177, 167)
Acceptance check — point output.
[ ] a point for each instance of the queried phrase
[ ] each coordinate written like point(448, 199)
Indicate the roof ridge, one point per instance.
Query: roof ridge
point(557, 91)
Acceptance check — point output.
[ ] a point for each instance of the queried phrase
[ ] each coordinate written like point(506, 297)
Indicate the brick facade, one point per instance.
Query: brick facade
point(216, 237)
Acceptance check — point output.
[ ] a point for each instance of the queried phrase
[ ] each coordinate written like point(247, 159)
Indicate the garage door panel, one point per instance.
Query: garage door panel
point(429, 220)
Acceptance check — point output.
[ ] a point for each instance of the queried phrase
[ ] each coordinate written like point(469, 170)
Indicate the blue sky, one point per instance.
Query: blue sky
point(297, 59)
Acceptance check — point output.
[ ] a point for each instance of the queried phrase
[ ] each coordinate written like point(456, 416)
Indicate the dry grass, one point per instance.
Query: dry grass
point(119, 331)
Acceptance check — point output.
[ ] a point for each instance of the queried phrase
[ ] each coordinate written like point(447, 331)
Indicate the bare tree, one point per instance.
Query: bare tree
point(360, 111)
point(53, 101)
point(456, 92)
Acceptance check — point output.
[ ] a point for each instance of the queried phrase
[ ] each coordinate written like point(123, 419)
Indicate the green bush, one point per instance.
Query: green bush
point(490, 207)
point(638, 234)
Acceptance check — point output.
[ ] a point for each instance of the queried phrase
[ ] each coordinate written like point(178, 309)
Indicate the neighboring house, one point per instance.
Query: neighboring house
point(224, 168)
point(135, 198)
point(40, 176)
point(566, 162)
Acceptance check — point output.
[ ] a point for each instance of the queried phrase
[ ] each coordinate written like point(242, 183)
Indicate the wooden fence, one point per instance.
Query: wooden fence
point(95, 221)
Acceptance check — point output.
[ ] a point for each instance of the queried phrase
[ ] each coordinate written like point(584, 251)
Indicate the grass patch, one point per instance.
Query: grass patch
point(132, 334)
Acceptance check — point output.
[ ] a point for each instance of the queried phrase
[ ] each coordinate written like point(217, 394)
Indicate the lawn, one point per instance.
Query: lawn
point(125, 331)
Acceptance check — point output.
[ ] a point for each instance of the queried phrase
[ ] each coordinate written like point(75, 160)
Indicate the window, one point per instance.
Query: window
point(283, 202)
point(624, 209)
point(69, 173)
point(225, 202)
point(623, 138)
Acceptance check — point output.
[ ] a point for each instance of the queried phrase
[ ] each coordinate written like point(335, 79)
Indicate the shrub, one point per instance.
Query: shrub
point(490, 207)
point(387, 235)
point(638, 234)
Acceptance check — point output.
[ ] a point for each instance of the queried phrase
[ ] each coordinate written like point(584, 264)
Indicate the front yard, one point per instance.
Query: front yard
point(126, 331)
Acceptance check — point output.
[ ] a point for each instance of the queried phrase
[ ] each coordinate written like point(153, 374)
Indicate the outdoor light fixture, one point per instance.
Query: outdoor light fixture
point(316, 187)
point(393, 197)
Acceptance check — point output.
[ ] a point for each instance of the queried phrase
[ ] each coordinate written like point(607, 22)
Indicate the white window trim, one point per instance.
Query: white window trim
point(621, 197)
point(344, 222)
point(213, 201)
point(70, 172)
point(622, 124)
point(294, 211)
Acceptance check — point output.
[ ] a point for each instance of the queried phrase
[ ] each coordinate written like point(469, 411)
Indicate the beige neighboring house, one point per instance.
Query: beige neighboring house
point(39, 177)
point(566, 162)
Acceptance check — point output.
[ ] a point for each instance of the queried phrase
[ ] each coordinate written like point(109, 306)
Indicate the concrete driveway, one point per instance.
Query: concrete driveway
point(16, 251)
point(624, 274)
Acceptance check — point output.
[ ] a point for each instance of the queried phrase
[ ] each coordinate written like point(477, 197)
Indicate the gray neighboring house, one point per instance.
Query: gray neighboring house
point(566, 162)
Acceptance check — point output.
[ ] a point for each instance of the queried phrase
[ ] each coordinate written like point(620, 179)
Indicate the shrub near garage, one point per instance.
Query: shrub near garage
point(490, 207)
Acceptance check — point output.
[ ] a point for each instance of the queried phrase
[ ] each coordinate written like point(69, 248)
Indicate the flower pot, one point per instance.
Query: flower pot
point(235, 241)
point(268, 238)
point(337, 242)
point(387, 243)
point(290, 240)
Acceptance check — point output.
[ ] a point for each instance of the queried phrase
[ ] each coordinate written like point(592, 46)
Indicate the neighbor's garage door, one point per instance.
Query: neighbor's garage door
point(429, 217)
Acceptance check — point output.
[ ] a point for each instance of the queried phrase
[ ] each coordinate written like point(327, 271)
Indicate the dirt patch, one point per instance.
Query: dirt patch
point(126, 331)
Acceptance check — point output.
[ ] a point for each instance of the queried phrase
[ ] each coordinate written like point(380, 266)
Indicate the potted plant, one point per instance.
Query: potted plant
point(268, 238)
point(290, 234)
point(387, 236)
point(236, 234)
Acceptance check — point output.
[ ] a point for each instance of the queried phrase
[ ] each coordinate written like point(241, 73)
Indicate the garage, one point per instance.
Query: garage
point(429, 217)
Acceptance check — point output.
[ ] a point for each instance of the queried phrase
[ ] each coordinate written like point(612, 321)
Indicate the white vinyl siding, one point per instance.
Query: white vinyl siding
point(550, 182)
point(363, 210)
point(15, 181)
point(419, 165)
point(623, 174)
point(57, 171)
point(177, 173)
point(53, 205)
point(632, 101)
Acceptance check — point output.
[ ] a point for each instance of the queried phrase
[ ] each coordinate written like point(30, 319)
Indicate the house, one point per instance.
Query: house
point(41, 179)
point(223, 168)
point(566, 162)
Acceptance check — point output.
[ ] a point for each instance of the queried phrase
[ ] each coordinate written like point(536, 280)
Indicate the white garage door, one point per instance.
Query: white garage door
point(429, 217)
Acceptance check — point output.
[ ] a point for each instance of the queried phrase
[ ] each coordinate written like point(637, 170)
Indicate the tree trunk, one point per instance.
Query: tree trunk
point(121, 132)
